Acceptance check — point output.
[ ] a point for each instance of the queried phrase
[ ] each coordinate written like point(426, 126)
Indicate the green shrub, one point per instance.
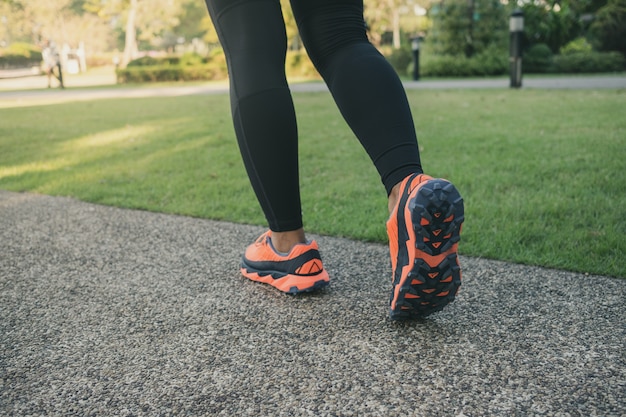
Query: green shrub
point(149, 61)
point(144, 61)
point(492, 61)
point(26, 49)
point(589, 62)
point(20, 55)
point(444, 66)
point(576, 46)
point(189, 67)
point(538, 59)
point(160, 73)
point(401, 60)
point(299, 65)
point(192, 59)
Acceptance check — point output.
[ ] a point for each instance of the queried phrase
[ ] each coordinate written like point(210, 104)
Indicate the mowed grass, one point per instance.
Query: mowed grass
point(543, 173)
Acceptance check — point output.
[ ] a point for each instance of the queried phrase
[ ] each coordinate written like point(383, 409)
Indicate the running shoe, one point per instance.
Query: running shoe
point(300, 270)
point(424, 230)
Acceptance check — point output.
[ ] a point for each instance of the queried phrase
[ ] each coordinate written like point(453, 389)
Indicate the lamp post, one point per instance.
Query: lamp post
point(415, 49)
point(516, 29)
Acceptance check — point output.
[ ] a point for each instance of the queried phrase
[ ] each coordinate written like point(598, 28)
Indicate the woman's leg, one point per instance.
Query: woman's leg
point(365, 87)
point(426, 214)
point(252, 33)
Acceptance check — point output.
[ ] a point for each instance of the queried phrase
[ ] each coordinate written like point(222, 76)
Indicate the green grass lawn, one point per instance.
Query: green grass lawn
point(543, 173)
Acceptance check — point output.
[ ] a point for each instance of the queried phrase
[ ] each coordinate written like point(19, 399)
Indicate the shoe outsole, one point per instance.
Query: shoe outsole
point(288, 283)
point(437, 214)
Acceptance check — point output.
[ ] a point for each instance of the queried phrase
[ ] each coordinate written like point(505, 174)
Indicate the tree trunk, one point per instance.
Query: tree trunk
point(396, 27)
point(130, 44)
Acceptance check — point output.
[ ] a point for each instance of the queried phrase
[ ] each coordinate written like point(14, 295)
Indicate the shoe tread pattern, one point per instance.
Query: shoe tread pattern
point(437, 213)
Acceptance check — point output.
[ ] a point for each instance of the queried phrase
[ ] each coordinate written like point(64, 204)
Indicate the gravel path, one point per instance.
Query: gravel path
point(114, 312)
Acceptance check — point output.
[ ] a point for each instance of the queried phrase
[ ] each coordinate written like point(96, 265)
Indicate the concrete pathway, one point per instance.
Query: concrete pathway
point(112, 312)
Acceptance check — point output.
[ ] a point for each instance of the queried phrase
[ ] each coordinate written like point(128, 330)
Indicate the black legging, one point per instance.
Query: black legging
point(365, 87)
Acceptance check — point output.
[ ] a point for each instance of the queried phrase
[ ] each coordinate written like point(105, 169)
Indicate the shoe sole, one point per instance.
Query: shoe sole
point(437, 214)
point(288, 283)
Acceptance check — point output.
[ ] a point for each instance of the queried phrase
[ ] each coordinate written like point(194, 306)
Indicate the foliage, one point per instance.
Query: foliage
point(20, 55)
point(467, 28)
point(298, 65)
point(161, 73)
point(609, 27)
point(25, 49)
point(190, 59)
point(187, 59)
point(191, 20)
point(148, 61)
point(589, 62)
point(538, 59)
point(550, 25)
point(64, 21)
point(193, 67)
point(188, 67)
point(491, 61)
point(576, 59)
point(401, 59)
point(576, 46)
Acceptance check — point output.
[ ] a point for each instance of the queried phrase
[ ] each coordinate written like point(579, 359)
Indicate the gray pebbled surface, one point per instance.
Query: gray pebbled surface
point(114, 312)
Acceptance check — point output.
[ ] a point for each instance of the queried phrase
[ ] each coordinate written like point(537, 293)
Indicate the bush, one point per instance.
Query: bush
point(576, 46)
point(445, 66)
point(150, 61)
point(189, 67)
point(192, 67)
point(401, 60)
point(538, 59)
point(19, 55)
point(299, 65)
point(492, 61)
point(160, 73)
point(589, 62)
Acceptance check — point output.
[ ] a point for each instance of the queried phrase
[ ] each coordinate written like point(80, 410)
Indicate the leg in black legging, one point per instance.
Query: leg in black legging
point(252, 33)
point(365, 87)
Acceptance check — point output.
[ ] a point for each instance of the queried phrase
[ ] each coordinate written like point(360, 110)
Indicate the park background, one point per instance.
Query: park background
point(175, 40)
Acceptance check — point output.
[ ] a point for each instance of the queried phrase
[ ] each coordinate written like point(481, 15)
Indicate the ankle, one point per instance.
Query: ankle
point(285, 241)
point(393, 197)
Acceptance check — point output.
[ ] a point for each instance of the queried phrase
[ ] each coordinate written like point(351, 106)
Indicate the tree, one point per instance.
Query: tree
point(190, 21)
point(468, 27)
point(554, 24)
point(608, 30)
point(395, 17)
point(63, 21)
point(141, 20)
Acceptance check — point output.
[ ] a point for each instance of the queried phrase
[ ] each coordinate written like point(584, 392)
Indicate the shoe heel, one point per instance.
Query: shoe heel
point(437, 214)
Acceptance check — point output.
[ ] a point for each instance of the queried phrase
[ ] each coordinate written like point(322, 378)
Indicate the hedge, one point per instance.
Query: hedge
point(488, 63)
point(537, 60)
point(588, 62)
point(485, 64)
point(20, 55)
point(194, 68)
point(154, 73)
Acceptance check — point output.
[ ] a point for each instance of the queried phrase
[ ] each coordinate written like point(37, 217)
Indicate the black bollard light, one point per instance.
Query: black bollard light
point(516, 29)
point(415, 48)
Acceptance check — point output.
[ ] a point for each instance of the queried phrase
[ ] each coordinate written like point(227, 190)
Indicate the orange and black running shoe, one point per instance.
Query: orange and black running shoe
point(300, 270)
point(424, 230)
